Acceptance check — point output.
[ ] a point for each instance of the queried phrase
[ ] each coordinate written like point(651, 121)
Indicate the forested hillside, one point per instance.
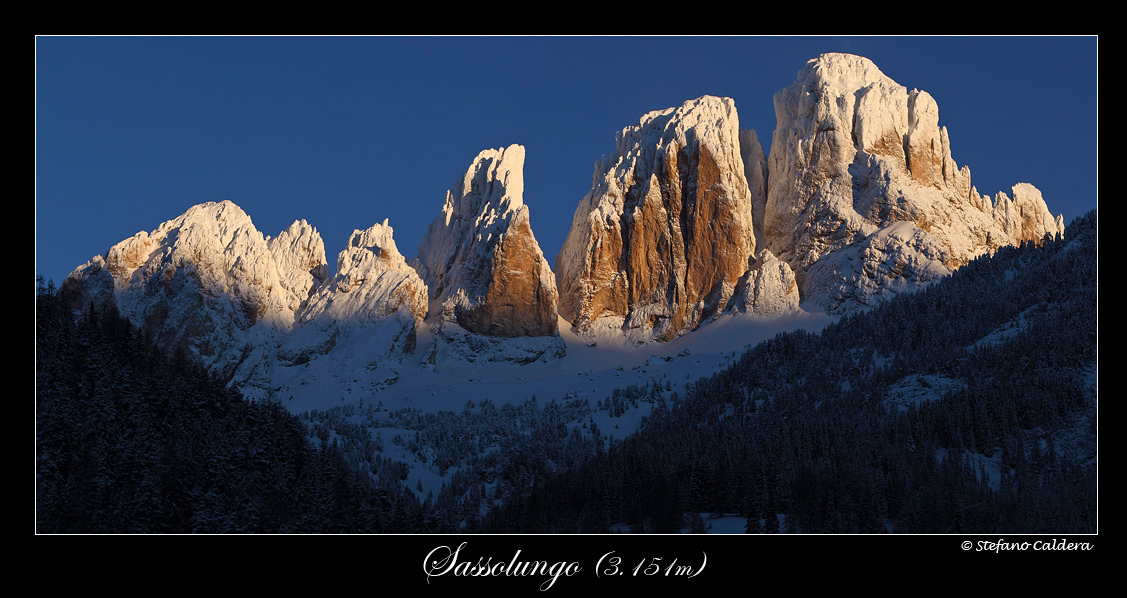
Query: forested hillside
point(967, 407)
point(130, 440)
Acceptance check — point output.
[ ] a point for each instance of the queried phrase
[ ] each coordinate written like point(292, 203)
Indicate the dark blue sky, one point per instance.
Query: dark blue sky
point(347, 131)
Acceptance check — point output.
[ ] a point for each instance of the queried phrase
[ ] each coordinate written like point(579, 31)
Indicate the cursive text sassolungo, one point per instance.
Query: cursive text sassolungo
point(443, 560)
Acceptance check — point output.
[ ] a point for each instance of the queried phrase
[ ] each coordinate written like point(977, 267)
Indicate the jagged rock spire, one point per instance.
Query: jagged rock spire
point(480, 258)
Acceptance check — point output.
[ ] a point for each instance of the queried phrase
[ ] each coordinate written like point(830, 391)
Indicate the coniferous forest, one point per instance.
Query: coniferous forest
point(800, 433)
point(967, 407)
point(131, 440)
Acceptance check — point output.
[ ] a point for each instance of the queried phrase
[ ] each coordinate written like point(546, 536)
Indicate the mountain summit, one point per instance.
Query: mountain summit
point(864, 198)
point(662, 240)
point(860, 199)
point(207, 282)
point(480, 258)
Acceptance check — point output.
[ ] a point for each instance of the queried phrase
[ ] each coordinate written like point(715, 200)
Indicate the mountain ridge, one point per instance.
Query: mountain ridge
point(858, 200)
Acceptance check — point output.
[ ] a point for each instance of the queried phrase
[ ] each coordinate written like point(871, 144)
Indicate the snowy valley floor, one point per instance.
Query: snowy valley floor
point(393, 416)
point(590, 370)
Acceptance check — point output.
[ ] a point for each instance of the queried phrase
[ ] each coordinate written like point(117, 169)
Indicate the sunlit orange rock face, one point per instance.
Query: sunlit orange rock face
point(480, 259)
point(664, 237)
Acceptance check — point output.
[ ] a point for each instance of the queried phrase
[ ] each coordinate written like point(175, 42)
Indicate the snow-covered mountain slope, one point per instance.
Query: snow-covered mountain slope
point(588, 367)
point(855, 153)
point(207, 282)
point(252, 307)
point(365, 319)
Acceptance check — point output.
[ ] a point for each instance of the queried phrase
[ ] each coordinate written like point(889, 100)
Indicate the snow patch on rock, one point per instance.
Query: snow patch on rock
point(770, 288)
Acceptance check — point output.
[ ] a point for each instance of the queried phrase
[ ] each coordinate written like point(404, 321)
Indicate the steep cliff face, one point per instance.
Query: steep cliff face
point(664, 236)
point(480, 258)
point(207, 282)
point(854, 152)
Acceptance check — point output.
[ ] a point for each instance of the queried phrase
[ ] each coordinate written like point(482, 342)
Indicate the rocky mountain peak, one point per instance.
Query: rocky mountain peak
point(855, 152)
point(212, 250)
point(373, 281)
point(207, 282)
point(661, 241)
point(299, 253)
point(859, 199)
point(480, 258)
